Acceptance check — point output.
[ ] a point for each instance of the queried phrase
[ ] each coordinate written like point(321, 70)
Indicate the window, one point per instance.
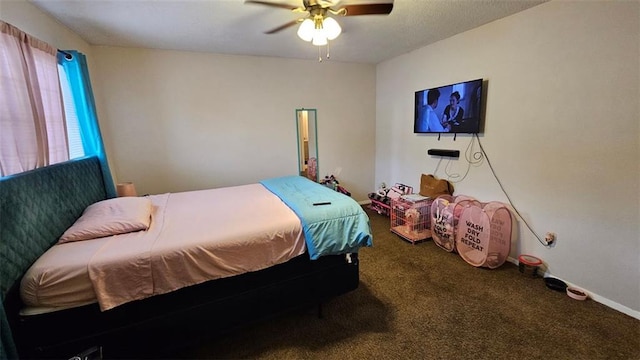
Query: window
point(74, 139)
point(32, 122)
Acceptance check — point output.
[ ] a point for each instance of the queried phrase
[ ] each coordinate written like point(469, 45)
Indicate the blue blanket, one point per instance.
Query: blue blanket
point(336, 224)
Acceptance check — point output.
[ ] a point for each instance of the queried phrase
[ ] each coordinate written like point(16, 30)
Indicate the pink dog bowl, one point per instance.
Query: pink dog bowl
point(576, 293)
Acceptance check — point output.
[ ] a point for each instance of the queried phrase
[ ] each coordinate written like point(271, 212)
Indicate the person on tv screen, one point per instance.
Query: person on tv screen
point(453, 113)
point(428, 121)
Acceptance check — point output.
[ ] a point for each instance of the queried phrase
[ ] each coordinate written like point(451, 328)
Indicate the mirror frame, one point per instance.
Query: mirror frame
point(312, 131)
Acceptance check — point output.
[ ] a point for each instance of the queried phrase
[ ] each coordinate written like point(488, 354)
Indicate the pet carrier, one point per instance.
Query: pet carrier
point(410, 217)
point(484, 231)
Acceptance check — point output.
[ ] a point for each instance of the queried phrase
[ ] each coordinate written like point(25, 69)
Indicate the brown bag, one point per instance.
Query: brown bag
point(432, 187)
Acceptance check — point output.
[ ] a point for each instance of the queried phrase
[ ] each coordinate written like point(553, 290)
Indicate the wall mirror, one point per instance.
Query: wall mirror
point(306, 123)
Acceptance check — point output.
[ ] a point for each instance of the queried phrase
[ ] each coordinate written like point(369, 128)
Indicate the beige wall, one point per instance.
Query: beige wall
point(175, 121)
point(561, 132)
point(33, 21)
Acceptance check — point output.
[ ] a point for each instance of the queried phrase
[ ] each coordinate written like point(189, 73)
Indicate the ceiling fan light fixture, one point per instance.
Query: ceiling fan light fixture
point(319, 38)
point(319, 33)
point(332, 28)
point(306, 30)
point(319, 30)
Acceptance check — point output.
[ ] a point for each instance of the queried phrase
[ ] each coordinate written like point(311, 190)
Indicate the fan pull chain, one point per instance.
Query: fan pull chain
point(328, 51)
point(319, 55)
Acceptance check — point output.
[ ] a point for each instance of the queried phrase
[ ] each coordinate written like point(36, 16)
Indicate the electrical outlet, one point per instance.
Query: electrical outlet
point(550, 238)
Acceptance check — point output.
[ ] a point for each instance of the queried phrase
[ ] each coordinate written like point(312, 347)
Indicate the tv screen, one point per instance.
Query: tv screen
point(448, 109)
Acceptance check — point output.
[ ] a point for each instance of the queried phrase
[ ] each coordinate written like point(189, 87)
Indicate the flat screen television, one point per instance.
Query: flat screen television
point(452, 109)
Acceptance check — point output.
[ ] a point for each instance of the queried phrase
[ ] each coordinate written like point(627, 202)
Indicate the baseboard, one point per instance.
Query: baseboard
point(614, 305)
point(593, 296)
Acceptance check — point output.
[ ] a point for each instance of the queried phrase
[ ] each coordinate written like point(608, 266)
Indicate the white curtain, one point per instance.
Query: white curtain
point(32, 124)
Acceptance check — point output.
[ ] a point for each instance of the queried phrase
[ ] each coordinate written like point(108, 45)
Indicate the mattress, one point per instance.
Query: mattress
point(194, 237)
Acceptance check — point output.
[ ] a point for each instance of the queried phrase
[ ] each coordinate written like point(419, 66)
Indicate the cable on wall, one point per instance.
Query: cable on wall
point(484, 154)
point(437, 166)
point(473, 158)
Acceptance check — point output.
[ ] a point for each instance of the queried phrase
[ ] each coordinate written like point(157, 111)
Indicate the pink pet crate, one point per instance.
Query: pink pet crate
point(445, 213)
point(484, 231)
point(410, 217)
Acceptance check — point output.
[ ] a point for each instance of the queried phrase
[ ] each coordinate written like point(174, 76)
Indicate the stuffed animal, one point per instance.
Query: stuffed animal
point(412, 218)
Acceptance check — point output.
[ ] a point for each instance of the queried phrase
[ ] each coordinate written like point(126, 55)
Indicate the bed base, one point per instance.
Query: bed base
point(151, 327)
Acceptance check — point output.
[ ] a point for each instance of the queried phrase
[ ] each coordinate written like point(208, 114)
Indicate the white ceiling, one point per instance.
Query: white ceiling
point(233, 27)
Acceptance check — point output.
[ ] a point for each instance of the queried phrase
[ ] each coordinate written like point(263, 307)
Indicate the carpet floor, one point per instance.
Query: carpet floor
point(421, 302)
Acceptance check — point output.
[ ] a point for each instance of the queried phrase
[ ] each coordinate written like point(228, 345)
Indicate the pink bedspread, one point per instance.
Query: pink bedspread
point(194, 237)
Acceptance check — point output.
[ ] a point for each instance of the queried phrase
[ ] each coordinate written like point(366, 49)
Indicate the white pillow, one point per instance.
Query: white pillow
point(110, 217)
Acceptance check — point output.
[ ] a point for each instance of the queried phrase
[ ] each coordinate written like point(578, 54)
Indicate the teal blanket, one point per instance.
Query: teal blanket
point(336, 224)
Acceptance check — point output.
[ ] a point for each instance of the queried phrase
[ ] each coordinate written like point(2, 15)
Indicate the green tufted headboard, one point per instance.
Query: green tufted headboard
point(36, 207)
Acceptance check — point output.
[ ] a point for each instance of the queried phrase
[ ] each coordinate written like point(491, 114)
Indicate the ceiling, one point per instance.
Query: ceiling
point(233, 27)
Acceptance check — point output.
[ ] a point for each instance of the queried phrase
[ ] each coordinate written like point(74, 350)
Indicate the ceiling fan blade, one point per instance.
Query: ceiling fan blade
point(282, 27)
point(368, 9)
point(278, 5)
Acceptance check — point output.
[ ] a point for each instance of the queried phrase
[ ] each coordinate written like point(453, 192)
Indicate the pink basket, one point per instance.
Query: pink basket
point(445, 213)
point(484, 231)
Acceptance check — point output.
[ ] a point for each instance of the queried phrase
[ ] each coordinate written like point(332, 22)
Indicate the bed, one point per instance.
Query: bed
point(63, 298)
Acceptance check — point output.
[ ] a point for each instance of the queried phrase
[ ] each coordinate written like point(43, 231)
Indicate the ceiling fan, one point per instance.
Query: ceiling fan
point(317, 26)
